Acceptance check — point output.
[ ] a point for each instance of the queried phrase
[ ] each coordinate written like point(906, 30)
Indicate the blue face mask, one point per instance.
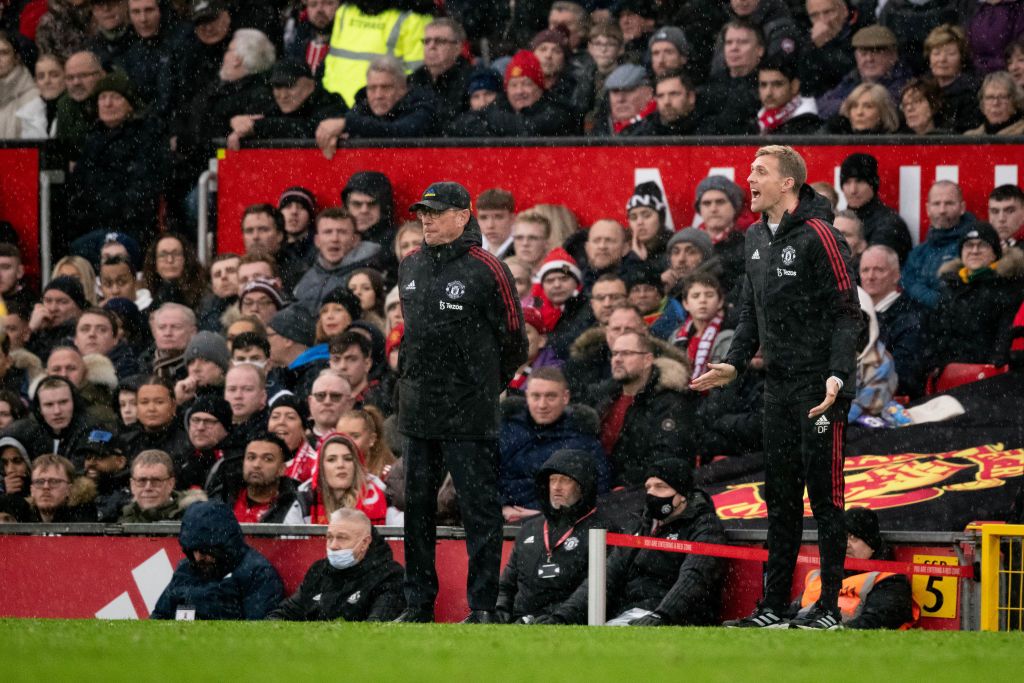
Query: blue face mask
point(341, 559)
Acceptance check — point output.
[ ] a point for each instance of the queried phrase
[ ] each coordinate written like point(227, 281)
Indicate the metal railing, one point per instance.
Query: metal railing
point(1002, 577)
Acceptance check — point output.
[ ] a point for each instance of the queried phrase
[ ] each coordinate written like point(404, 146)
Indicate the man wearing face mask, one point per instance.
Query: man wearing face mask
point(221, 577)
point(656, 588)
point(359, 579)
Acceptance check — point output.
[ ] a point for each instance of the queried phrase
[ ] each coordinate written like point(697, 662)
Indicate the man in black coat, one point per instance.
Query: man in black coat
point(676, 99)
point(158, 33)
point(445, 71)
point(549, 558)
point(259, 493)
point(464, 340)
point(858, 178)
point(827, 53)
point(656, 588)
point(105, 464)
point(729, 102)
point(647, 412)
point(359, 579)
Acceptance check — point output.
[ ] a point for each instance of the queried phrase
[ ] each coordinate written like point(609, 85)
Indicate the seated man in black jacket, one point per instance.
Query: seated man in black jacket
point(549, 558)
point(653, 587)
point(301, 104)
point(359, 579)
point(390, 109)
point(676, 99)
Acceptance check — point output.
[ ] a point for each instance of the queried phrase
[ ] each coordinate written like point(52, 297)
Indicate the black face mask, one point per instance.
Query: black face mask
point(659, 507)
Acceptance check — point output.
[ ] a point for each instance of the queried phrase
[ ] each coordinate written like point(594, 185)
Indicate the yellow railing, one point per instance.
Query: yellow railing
point(1002, 577)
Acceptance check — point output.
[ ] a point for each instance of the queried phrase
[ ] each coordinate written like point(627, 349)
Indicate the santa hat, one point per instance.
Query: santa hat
point(558, 259)
point(525, 63)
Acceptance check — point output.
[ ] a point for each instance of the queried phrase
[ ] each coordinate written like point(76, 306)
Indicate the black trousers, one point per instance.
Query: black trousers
point(474, 468)
point(800, 450)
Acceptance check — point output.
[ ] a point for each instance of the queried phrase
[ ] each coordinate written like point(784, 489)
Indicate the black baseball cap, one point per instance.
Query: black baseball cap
point(207, 10)
point(100, 443)
point(443, 196)
point(287, 72)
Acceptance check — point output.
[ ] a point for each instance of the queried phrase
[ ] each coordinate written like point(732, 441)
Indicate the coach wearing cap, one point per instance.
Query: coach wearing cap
point(464, 340)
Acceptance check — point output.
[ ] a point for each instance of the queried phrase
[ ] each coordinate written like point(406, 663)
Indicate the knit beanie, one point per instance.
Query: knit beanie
point(300, 195)
point(558, 35)
point(722, 184)
point(671, 34)
point(524, 64)
point(295, 323)
point(645, 273)
point(697, 238)
point(208, 346)
point(558, 259)
point(675, 472)
point(71, 287)
point(863, 523)
point(118, 81)
point(985, 232)
point(211, 404)
point(484, 79)
point(286, 399)
point(862, 167)
point(648, 194)
point(262, 284)
point(343, 297)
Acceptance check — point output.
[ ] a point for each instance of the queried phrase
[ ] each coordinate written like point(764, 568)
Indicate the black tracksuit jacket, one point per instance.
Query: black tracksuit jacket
point(799, 303)
point(464, 339)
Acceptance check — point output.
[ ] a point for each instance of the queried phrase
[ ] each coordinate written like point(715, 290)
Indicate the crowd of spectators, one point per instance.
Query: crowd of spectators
point(140, 381)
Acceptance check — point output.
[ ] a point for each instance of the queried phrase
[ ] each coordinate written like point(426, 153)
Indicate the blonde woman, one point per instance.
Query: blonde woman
point(80, 269)
point(868, 110)
point(340, 480)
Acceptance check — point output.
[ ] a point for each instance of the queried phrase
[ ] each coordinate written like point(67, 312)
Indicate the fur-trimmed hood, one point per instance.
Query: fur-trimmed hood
point(592, 342)
point(1009, 267)
point(27, 361)
point(672, 374)
point(82, 492)
point(98, 370)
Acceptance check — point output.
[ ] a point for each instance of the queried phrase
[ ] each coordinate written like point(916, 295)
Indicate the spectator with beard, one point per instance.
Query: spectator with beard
point(262, 494)
point(369, 199)
point(445, 71)
point(208, 421)
point(154, 494)
point(311, 39)
point(221, 577)
point(540, 576)
point(358, 581)
point(59, 422)
point(300, 104)
point(58, 495)
point(676, 99)
point(159, 427)
point(784, 111)
point(53, 320)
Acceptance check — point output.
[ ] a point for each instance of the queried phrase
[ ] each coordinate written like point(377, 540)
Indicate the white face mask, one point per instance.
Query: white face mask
point(341, 559)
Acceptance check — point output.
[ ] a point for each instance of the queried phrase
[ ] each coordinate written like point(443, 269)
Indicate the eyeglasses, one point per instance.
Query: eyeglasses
point(1002, 97)
point(196, 421)
point(49, 483)
point(71, 78)
point(627, 353)
point(439, 41)
point(261, 304)
point(169, 255)
point(332, 396)
point(143, 482)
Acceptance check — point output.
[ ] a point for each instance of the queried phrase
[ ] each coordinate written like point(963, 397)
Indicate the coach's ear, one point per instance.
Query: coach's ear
point(462, 218)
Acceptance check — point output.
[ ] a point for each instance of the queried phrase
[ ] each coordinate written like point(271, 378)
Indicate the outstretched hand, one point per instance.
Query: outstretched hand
point(718, 375)
point(831, 391)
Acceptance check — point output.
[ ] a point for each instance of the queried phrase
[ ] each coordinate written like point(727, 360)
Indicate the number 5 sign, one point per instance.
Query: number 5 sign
point(937, 595)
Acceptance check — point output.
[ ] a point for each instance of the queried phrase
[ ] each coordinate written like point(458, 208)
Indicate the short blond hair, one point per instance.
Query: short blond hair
point(888, 117)
point(791, 164)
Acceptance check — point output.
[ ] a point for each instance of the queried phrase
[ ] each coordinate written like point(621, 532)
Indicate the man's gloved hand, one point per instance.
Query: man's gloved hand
point(548, 619)
point(652, 619)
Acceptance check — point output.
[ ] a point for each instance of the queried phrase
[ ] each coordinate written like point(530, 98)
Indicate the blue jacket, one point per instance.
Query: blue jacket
point(248, 586)
point(669, 321)
point(920, 277)
point(525, 446)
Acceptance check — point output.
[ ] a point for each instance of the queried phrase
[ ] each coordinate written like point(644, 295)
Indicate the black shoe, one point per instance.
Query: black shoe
point(762, 617)
point(415, 616)
point(817, 619)
point(481, 616)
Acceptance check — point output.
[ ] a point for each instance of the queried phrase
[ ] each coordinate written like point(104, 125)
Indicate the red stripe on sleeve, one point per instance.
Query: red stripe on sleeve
point(835, 258)
point(504, 288)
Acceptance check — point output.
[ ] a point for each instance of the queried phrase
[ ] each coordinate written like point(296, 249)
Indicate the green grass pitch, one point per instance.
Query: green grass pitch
point(41, 650)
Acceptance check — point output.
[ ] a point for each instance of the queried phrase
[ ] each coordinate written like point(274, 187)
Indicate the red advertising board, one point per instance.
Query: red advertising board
point(595, 181)
point(122, 577)
point(19, 200)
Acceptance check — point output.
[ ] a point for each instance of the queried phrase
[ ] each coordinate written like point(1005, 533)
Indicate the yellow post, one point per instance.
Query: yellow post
point(993, 573)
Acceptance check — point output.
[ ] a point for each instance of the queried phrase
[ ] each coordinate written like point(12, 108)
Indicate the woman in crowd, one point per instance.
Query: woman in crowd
point(340, 480)
point(1015, 61)
point(339, 310)
point(38, 116)
point(172, 272)
point(17, 88)
point(868, 110)
point(11, 408)
point(368, 285)
point(366, 427)
point(920, 100)
point(80, 269)
point(949, 61)
point(287, 419)
point(646, 213)
point(1002, 105)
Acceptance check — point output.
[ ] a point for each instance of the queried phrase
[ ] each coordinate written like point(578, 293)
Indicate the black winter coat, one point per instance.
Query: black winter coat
point(413, 116)
point(368, 591)
point(449, 90)
point(464, 339)
point(959, 111)
point(900, 329)
point(246, 585)
point(653, 125)
point(112, 495)
point(683, 589)
point(821, 68)
point(521, 590)
point(192, 68)
point(213, 108)
point(729, 106)
point(799, 303)
point(226, 490)
point(973, 321)
point(546, 117)
point(661, 422)
point(172, 439)
point(300, 124)
point(782, 35)
point(147, 61)
point(882, 225)
point(119, 177)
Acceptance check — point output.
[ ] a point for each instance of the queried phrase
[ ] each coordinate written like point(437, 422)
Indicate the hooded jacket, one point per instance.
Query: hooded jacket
point(660, 423)
point(920, 274)
point(244, 585)
point(368, 591)
point(799, 303)
point(464, 339)
point(413, 116)
point(171, 439)
point(521, 590)
point(172, 510)
point(526, 446)
point(39, 438)
point(684, 589)
point(321, 278)
point(79, 508)
point(377, 185)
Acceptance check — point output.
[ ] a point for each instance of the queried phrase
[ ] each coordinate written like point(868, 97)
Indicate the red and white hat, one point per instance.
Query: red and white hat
point(558, 259)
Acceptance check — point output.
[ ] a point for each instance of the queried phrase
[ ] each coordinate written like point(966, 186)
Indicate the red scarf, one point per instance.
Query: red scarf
point(620, 126)
point(698, 348)
point(301, 467)
point(770, 119)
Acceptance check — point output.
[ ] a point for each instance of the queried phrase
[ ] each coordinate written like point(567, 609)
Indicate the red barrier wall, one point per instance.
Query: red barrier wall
point(19, 200)
point(596, 181)
point(122, 577)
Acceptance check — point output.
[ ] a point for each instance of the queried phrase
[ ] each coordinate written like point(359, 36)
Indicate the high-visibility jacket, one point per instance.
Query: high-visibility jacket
point(853, 594)
point(358, 38)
